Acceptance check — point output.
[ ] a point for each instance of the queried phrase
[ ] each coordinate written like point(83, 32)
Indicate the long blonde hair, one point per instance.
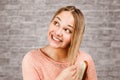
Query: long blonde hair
point(78, 32)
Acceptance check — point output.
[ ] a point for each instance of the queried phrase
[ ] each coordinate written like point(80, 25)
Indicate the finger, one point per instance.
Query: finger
point(75, 75)
point(74, 72)
point(73, 67)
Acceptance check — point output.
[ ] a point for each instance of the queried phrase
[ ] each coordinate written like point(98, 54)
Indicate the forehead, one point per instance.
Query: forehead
point(66, 18)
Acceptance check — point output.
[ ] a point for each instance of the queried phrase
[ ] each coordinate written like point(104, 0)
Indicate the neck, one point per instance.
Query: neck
point(56, 54)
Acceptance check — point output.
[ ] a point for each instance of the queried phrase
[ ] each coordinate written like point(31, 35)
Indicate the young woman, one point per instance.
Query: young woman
point(61, 58)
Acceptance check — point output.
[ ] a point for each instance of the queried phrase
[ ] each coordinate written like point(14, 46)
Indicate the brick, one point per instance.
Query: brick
point(114, 7)
point(3, 13)
point(2, 7)
point(4, 29)
point(3, 2)
point(51, 2)
point(105, 2)
point(4, 61)
point(116, 1)
point(12, 7)
point(97, 44)
point(3, 19)
point(115, 44)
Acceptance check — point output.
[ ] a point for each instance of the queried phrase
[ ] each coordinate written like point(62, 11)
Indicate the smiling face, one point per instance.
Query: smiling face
point(60, 30)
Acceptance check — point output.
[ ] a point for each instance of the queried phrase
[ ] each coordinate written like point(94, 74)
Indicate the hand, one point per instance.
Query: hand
point(69, 73)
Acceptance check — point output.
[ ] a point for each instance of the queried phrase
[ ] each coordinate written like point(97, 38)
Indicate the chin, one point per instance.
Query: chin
point(54, 45)
point(57, 46)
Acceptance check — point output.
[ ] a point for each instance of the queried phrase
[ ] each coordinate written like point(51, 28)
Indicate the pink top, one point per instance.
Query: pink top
point(38, 66)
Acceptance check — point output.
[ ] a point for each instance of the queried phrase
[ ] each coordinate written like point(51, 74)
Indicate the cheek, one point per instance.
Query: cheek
point(68, 38)
point(50, 29)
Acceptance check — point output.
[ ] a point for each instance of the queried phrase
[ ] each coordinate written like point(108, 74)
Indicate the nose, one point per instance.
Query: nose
point(59, 32)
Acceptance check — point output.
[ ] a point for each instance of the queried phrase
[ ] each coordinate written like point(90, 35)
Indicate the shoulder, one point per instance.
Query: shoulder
point(91, 71)
point(30, 66)
point(31, 55)
point(84, 56)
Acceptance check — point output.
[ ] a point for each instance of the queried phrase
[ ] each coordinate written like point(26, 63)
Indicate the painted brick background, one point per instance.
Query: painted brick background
point(24, 23)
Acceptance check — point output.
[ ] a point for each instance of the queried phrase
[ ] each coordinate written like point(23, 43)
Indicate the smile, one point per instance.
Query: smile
point(56, 39)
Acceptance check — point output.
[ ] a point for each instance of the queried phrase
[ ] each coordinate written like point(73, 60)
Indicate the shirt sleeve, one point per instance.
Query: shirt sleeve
point(29, 72)
point(91, 71)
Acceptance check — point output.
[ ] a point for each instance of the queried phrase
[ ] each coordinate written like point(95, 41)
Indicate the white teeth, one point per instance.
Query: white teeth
point(55, 39)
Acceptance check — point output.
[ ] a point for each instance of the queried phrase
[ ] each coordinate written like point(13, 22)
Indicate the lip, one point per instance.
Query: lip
point(55, 38)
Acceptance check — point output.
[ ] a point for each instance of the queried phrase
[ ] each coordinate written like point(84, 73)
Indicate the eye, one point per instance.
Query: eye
point(68, 31)
point(56, 23)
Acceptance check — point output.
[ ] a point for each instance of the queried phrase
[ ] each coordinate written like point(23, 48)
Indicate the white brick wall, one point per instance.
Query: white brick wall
point(24, 23)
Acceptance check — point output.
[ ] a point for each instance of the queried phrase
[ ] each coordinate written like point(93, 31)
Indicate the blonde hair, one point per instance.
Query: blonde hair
point(78, 32)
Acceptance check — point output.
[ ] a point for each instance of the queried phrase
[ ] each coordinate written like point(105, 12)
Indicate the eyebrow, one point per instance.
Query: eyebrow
point(67, 25)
